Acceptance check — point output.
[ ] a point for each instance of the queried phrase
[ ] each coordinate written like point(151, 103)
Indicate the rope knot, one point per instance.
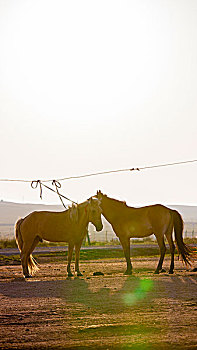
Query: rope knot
point(56, 183)
point(35, 183)
point(138, 169)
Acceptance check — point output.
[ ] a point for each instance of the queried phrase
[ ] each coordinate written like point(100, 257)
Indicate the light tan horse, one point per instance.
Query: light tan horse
point(128, 222)
point(68, 226)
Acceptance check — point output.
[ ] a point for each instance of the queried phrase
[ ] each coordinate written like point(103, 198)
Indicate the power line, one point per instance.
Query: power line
point(103, 172)
point(169, 164)
point(124, 170)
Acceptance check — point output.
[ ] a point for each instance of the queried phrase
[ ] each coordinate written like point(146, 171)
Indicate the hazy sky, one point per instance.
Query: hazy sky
point(89, 86)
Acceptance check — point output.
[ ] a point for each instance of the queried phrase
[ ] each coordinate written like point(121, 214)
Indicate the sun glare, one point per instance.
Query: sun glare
point(139, 293)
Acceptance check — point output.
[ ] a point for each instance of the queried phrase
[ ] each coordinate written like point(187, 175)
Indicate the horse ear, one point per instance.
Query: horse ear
point(99, 195)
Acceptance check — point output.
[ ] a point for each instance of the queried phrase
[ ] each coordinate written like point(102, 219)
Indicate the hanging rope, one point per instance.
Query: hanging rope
point(57, 185)
point(35, 183)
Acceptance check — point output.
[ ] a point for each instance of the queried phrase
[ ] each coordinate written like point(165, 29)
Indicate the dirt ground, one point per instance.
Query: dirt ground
point(110, 311)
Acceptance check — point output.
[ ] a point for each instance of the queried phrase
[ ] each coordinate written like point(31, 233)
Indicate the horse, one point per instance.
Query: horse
point(129, 222)
point(70, 226)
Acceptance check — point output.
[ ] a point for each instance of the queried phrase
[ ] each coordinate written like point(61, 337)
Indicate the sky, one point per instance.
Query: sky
point(90, 86)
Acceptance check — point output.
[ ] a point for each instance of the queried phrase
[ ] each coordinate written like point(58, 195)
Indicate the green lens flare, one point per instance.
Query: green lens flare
point(145, 285)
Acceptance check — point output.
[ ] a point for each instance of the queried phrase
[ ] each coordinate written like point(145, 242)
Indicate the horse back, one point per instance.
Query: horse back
point(159, 216)
point(45, 224)
point(143, 221)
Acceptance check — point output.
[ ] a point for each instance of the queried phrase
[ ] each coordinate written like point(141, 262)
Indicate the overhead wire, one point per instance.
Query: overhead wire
point(56, 183)
point(102, 172)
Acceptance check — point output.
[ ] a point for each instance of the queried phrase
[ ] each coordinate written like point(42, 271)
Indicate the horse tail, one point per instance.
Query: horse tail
point(31, 262)
point(187, 254)
point(32, 265)
point(18, 236)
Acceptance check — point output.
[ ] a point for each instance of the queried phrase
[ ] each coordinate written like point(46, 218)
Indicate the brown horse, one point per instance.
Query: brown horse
point(68, 226)
point(128, 222)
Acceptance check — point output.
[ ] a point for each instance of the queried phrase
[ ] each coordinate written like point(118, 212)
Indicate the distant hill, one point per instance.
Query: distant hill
point(188, 212)
point(10, 212)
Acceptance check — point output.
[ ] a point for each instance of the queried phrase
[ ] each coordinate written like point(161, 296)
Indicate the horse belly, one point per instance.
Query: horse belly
point(140, 231)
point(55, 234)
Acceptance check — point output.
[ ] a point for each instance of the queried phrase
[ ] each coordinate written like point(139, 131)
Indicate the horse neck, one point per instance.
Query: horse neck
point(110, 207)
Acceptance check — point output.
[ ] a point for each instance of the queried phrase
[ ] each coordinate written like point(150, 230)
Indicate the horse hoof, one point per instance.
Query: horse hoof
point(98, 273)
point(128, 273)
point(162, 270)
point(171, 272)
point(27, 276)
point(79, 274)
point(70, 274)
point(156, 272)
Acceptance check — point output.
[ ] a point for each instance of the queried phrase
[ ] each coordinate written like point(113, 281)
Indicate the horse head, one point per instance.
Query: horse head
point(95, 212)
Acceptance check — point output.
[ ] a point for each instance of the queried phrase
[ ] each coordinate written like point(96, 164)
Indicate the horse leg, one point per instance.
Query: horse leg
point(70, 253)
point(162, 247)
point(77, 253)
point(25, 255)
point(172, 249)
point(24, 258)
point(126, 248)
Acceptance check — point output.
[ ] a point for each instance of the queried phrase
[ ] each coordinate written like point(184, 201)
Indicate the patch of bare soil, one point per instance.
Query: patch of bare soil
point(110, 311)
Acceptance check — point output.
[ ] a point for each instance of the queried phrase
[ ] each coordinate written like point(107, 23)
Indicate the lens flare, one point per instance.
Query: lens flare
point(139, 293)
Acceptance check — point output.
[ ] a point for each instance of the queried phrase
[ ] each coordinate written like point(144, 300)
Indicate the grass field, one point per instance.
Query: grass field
point(86, 254)
point(11, 243)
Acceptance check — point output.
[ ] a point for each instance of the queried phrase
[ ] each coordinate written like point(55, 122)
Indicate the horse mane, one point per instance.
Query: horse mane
point(73, 213)
point(116, 201)
point(77, 205)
